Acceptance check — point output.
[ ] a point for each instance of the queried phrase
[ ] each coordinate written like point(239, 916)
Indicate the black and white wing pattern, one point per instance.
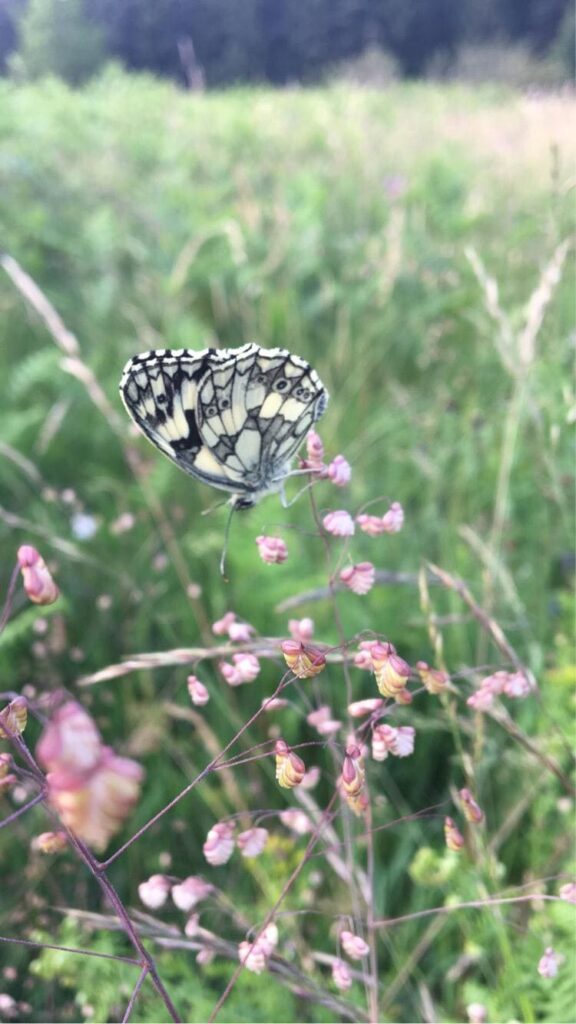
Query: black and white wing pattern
point(233, 417)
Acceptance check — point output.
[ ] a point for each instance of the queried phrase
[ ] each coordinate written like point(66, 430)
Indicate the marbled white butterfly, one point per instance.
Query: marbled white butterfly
point(232, 417)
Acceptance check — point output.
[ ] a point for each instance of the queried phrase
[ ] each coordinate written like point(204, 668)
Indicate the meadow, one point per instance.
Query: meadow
point(414, 245)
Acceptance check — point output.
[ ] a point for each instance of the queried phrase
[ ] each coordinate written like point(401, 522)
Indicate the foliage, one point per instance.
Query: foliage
point(334, 222)
point(57, 38)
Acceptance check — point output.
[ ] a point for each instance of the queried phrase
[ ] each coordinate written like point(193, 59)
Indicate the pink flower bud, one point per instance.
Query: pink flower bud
point(329, 727)
point(5, 764)
point(339, 471)
point(14, 717)
point(339, 524)
point(314, 449)
point(219, 845)
point(154, 892)
point(70, 742)
point(190, 892)
point(204, 956)
point(198, 693)
point(548, 964)
point(296, 820)
point(301, 630)
point(363, 659)
point(311, 778)
point(453, 836)
point(434, 680)
point(51, 842)
point(517, 685)
point(252, 956)
point(372, 525)
point(359, 578)
point(319, 715)
point(272, 549)
point(352, 780)
point(244, 670)
point(353, 945)
point(383, 741)
point(221, 627)
point(359, 708)
point(240, 632)
point(290, 768)
point(341, 975)
point(391, 671)
point(303, 661)
point(274, 703)
point(472, 812)
point(38, 583)
point(252, 842)
point(393, 520)
point(404, 744)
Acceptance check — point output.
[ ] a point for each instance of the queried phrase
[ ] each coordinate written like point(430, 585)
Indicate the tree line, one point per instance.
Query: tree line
point(222, 42)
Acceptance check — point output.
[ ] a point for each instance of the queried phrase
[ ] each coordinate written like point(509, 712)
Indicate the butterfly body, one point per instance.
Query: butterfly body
point(233, 418)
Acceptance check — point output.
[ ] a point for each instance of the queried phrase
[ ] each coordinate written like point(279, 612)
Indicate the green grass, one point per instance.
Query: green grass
point(335, 223)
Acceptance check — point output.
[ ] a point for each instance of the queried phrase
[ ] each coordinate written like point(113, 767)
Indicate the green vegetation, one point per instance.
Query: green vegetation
point(363, 230)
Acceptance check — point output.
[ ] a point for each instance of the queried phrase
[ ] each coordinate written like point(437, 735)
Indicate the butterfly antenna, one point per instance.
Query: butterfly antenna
point(225, 548)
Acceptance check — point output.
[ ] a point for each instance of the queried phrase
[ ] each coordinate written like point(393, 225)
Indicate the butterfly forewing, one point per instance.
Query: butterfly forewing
point(234, 418)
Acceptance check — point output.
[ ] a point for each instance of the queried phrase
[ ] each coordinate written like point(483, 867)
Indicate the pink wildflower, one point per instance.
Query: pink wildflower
point(339, 471)
point(517, 685)
point(290, 768)
point(383, 741)
point(359, 708)
point(244, 670)
point(296, 820)
point(314, 450)
point(393, 520)
point(354, 945)
point(71, 741)
point(311, 778)
point(301, 630)
point(341, 975)
point(549, 963)
point(434, 680)
point(472, 812)
point(352, 779)
point(359, 578)
point(190, 892)
point(391, 671)
point(204, 956)
point(568, 892)
point(14, 716)
point(219, 845)
point(477, 1013)
point(154, 892)
point(6, 761)
point(221, 627)
point(198, 693)
point(372, 525)
point(453, 836)
point(363, 659)
point(339, 524)
point(304, 661)
point(255, 955)
point(329, 727)
point(272, 549)
point(274, 703)
point(319, 715)
point(240, 632)
point(38, 583)
point(51, 842)
point(252, 842)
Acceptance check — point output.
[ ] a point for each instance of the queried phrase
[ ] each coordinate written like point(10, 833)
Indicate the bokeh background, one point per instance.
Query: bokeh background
point(385, 188)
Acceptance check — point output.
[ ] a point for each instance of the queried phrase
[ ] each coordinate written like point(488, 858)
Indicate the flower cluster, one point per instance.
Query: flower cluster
point(92, 788)
point(389, 740)
point(244, 669)
point(255, 955)
point(155, 891)
point(237, 631)
point(391, 522)
point(509, 684)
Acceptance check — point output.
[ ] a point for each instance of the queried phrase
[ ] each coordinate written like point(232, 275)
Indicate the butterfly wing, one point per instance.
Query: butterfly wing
point(231, 417)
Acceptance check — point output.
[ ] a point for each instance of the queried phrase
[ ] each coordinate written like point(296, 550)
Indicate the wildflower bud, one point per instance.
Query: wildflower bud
point(358, 708)
point(339, 471)
point(51, 842)
point(189, 892)
point(472, 812)
point(353, 945)
point(252, 842)
point(477, 1013)
point(221, 627)
point(192, 926)
point(244, 670)
point(454, 838)
point(568, 892)
point(290, 768)
point(240, 632)
point(339, 524)
point(359, 578)
point(391, 671)
point(274, 703)
point(329, 727)
point(219, 845)
point(383, 738)
point(363, 658)
point(204, 956)
point(296, 820)
point(5, 764)
point(372, 525)
point(321, 714)
point(311, 778)
point(404, 742)
point(393, 520)
point(272, 549)
point(154, 892)
point(198, 693)
point(14, 717)
point(516, 685)
point(252, 957)
point(403, 697)
point(303, 661)
point(490, 687)
point(341, 975)
point(352, 780)
point(70, 742)
point(301, 630)
point(434, 680)
point(38, 583)
point(548, 964)
point(314, 449)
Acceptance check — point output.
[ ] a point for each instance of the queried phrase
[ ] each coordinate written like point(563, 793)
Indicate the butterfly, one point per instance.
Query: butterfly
point(233, 417)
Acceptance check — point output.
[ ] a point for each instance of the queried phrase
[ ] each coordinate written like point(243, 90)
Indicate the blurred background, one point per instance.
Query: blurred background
point(386, 188)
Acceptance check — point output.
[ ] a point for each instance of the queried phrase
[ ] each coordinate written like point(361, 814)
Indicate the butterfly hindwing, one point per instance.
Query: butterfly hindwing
point(232, 417)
